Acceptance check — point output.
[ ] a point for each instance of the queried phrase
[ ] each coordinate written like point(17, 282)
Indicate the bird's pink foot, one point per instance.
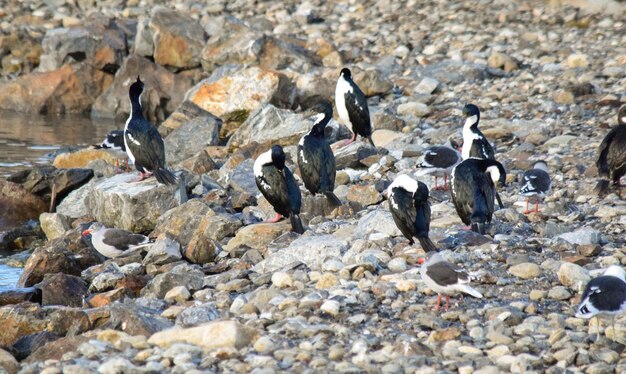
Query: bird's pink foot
point(276, 218)
point(466, 228)
point(143, 176)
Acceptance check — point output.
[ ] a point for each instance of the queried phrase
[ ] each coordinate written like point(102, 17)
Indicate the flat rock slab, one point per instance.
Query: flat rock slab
point(211, 335)
point(121, 202)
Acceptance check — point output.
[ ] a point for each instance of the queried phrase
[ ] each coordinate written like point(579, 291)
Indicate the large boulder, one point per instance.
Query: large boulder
point(50, 259)
point(69, 89)
point(192, 137)
point(163, 91)
point(182, 221)
point(270, 125)
point(236, 43)
point(244, 90)
point(18, 205)
point(62, 289)
point(178, 39)
point(121, 202)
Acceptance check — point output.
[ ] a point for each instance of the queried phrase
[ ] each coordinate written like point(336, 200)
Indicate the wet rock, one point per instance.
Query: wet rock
point(573, 276)
point(28, 344)
point(245, 90)
point(19, 295)
point(54, 225)
point(163, 91)
point(525, 270)
point(48, 260)
point(177, 38)
point(192, 137)
point(163, 251)
point(209, 336)
point(137, 320)
point(17, 204)
point(311, 250)
point(270, 125)
point(62, 289)
point(69, 89)
point(115, 202)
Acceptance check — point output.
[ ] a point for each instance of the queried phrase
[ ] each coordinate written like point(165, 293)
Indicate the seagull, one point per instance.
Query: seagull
point(277, 184)
point(143, 142)
point(474, 183)
point(439, 160)
point(315, 157)
point(604, 296)
point(445, 278)
point(474, 142)
point(535, 182)
point(408, 202)
point(612, 156)
point(113, 243)
point(352, 107)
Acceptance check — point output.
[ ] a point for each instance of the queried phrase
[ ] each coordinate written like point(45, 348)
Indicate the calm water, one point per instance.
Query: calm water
point(29, 140)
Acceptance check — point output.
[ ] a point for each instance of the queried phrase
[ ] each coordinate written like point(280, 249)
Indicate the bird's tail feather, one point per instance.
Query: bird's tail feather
point(470, 291)
point(332, 198)
point(369, 138)
point(164, 176)
point(602, 188)
point(427, 245)
point(296, 223)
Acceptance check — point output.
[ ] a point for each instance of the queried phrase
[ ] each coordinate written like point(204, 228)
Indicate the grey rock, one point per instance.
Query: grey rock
point(196, 315)
point(163, 251)
point(182, 275)
point(62, 289)
point(182, 221)
point(178, 39)
point(377, 221)
point(115, 202)
point(134, 319)
point(192, 137)
point(54, 225)
point(242, 178)
point(351, 155)
point(310, 250)
point(143, 46)
point(581, 237)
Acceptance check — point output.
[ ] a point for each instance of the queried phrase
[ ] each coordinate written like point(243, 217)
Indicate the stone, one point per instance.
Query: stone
point(245, 90)
point(182, 221)
point(351, 155)
point(415, 109)
point(257, 236)
point(443, 335)
point(589, 250)
point(559, 293)
point(62, 289)
point(268, 125)
point(383, 138)
point(19, 295)
point(377, 221)
point(577, 60)
point(47, 260)
point(525, 270)
point(163, 251)
point(28, 344)
point(264, 345)
point(364, 194)
point(115, 202)
point(502, 61)
point(201, 249)
point(242, 178)
point(426, 86)
point(235, 43)
point(115, 365)
point(54, 225)
point(563, 97)
point(8, 363)
point(143, 45)
point(583, 236)
point(195, 315)
point(372, 82)
point(326, 281)
point(82, 158)
point(177, 38)
point(18, 205)
point(573, 276)
point(69, 89)
point(163, 91)
point(136, 320)
point(99, 300)
point(181, 275)
point(281, 279)
point(310, 250)
point(209, 336)
point(330, 307)
point(192, 137)
point(178, 294)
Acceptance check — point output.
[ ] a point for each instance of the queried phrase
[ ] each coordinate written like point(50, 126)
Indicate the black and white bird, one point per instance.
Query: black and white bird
point(535, 182)
point(114, 144)
point(474, 142)
point(439, 160)
point(277, 184)
point(474, 183)
point(315, 157)
point(408, 202)
point(612, 156)
point(604, 296)
point(112, 243)
point(143, 142)
point(445, 278)
point(352, 107)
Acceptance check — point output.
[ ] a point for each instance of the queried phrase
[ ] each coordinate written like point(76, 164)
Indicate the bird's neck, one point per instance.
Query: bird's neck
point(471, 123)
point(135, 107)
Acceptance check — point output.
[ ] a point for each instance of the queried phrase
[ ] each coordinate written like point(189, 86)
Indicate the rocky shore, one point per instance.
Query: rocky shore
point(221, 291)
